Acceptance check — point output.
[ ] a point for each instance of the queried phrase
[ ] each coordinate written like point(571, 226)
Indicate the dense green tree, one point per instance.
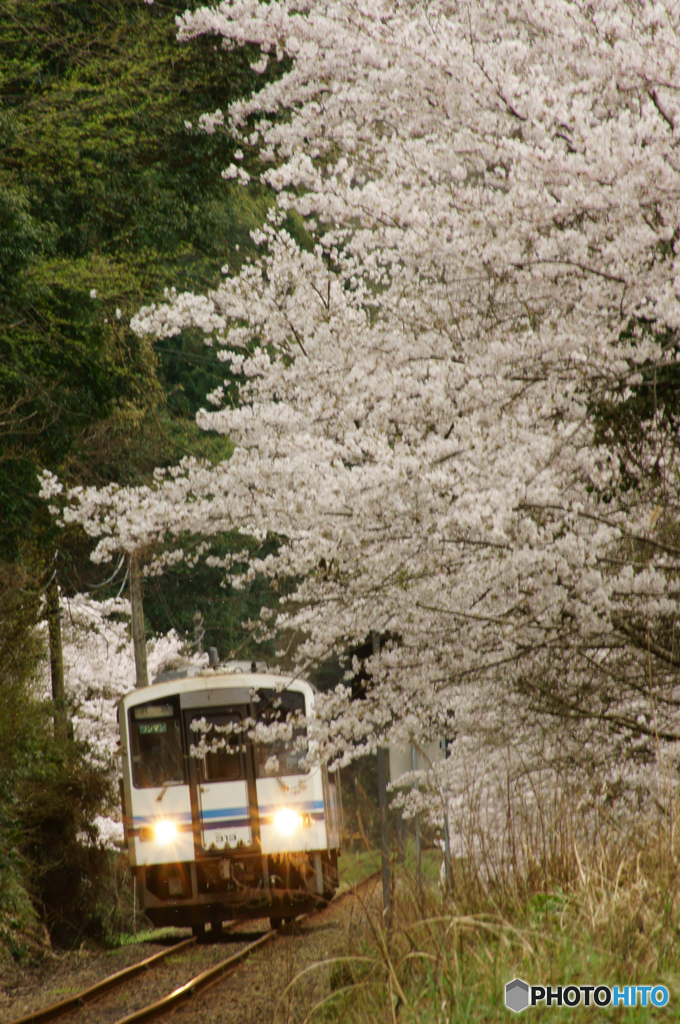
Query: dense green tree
point(108, 193)
point(103, 188)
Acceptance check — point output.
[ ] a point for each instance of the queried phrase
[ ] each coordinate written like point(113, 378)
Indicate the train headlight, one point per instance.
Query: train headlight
point(165, 832)
point(286, 821)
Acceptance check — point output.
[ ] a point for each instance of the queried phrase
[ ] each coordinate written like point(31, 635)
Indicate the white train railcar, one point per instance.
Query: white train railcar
point(241, 828)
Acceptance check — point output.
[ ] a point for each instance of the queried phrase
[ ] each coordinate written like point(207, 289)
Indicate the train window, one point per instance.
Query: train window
point(220, 731)
point(286, 707)
point(156, 745)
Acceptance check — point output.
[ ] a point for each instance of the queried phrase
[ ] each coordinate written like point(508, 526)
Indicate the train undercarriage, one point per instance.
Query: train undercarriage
point(214, 890)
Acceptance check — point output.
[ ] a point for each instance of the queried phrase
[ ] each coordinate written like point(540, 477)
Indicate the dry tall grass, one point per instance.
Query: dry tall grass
point(558, 900)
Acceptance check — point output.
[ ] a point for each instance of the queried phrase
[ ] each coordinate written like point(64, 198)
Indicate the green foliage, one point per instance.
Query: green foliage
point(50, 866)
point(109, 193)
point(146, 934)
point(172, 600)
point(21, 934)
point(103, 187)
point(20, 652)
point(56, 804)
point(106, 198)
point(106, 190)
point(623, 417)
point(20, 237)
point(101, 94)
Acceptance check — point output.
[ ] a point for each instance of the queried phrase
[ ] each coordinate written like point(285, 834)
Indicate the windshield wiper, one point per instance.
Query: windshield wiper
point(173, 782)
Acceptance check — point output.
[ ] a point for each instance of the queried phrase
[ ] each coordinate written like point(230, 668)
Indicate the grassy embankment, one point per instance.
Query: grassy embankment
point(569, 914)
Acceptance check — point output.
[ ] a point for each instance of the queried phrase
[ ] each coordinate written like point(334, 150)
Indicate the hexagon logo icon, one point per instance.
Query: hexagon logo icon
point(517, 995)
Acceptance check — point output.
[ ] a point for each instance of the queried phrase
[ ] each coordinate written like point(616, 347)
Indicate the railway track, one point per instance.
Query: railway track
point(198, 984)
point(94, 992)
point(109, 1013)
point(122, 981)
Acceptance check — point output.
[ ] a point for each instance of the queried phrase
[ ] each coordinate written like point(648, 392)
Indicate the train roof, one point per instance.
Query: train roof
point(231, 675)
point(225, 668)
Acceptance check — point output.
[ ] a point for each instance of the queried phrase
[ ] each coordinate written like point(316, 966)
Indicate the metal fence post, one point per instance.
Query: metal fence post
point(384, 833)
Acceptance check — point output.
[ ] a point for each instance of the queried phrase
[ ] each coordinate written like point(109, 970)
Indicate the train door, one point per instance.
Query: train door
point(218, 772)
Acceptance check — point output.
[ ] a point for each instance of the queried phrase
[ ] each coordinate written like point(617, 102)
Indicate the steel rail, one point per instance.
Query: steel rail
point(182, 994)
point(191, 988)
point(203, 981)
point(88, 995)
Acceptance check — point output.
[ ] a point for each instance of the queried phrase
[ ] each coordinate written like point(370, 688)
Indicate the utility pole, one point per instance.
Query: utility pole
point(199, 630)
point(384, 833)
point(419, 856)
point(447, 833)
point(138, 638)
point(56, 661)
point(400, 833)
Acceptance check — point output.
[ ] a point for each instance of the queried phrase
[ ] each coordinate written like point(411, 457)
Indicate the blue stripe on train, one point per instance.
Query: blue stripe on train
point(213, 826)
point(227, 814)
point(151, 819)
point(243, 822)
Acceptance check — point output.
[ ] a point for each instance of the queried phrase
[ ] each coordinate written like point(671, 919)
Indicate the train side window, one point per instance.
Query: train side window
point(272, 707)
point(221, 732)
point(156, 745)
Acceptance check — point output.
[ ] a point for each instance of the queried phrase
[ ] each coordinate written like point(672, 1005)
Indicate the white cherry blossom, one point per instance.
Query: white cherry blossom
point(492, 192)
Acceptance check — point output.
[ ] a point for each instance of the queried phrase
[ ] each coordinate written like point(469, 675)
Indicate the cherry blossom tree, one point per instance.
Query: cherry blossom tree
point(99, 669)
point(489, 195)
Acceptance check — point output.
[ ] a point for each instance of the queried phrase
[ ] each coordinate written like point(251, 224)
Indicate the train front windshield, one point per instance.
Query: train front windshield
point(156, 742)
point(283, 756)
point(222, 733)
point(158, 757)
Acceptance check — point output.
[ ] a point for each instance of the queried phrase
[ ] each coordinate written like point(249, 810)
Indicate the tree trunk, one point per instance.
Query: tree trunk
point(138, 638)
point(56, 662)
